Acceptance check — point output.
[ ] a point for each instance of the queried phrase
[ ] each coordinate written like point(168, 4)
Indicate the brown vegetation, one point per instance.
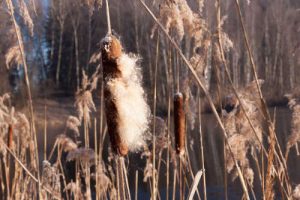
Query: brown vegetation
point(213, 52)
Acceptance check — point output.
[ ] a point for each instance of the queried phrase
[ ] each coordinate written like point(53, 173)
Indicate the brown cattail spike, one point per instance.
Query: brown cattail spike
point(179, 123)
point(111, 50)
point(10, 136)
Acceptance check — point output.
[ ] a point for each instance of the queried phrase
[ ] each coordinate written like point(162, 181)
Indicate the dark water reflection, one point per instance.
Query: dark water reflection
point(214, 161)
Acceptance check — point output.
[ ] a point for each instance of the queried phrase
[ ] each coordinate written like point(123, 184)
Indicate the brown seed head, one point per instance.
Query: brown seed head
point(179, 123)
point(111, 50)
point(10, 136)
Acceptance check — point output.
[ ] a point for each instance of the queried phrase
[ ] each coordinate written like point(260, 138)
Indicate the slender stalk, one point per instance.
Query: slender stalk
point(45, 133)
point(169, 89)
point(101, 132)
point(136, 184)
point(124, 170)
point(202, 149)
point(96, 157)
point(154, 124)
point(218, 8)
point(108, 18)
point(174, 184)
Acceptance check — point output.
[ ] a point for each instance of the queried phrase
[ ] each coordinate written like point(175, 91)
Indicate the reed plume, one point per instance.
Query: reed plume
point(24, 13)
point(294, 138)
point(51, 179)
point(127, 112)
point(296, 192)
point(13, 56)
point(73, 123)
point(84, 98)
point(241, 137)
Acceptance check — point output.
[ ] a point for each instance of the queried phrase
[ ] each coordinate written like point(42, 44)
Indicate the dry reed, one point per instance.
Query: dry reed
point(241, 138)
point(296, 192)
point(294, 138)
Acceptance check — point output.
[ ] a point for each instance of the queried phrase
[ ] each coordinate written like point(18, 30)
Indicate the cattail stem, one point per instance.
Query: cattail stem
point(136, 185)
point(180, 181)
point(174, 184)
point(179, 124)
point(108, 18)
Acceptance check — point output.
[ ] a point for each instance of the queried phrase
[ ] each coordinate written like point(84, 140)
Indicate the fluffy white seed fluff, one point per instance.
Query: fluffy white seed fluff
point(129, 97)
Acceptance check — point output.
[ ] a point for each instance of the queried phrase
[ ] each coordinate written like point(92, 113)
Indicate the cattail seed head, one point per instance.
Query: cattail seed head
point(179, 123)
point(127, 113)
point(10, 136)
point(111, 50)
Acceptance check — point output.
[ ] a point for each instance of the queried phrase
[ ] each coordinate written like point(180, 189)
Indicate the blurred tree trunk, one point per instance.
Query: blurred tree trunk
point(61, 31)
point(61, 19)
point(76, 57)
point(89, 35)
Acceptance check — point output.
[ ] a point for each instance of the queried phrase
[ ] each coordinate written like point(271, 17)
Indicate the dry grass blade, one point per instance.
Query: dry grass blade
point(195, 185)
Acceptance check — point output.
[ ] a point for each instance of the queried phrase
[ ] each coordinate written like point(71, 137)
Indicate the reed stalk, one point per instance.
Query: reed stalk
point(136, 185)
point(154, 181)
point(202, 149)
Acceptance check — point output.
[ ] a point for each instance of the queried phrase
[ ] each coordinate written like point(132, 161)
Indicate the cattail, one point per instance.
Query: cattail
point(127, 113)
point(179, 123)
point(10, 136)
